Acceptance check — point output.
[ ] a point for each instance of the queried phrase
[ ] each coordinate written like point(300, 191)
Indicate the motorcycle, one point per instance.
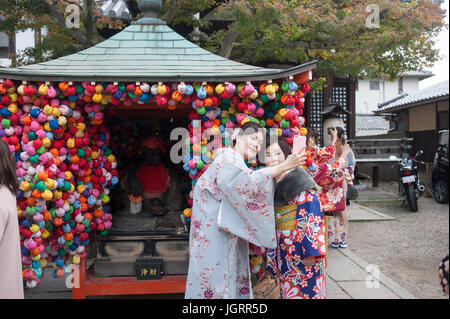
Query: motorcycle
point(409, 183)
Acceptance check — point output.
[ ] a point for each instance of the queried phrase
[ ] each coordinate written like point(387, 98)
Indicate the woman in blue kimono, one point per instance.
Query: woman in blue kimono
point(233, 205)
point(298, 260)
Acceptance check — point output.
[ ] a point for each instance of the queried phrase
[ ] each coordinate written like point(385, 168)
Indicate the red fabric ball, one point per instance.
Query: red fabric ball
point(84, 235)
point(72, 130)
point(98, 172)
point(27, 233)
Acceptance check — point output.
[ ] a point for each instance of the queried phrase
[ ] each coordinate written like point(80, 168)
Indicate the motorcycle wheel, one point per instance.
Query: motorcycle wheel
point(411, 197)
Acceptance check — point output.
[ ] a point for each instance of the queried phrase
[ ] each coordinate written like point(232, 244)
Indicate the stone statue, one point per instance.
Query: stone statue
point(154, 197)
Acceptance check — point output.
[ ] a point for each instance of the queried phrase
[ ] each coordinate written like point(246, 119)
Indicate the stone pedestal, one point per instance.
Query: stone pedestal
point(117, 254)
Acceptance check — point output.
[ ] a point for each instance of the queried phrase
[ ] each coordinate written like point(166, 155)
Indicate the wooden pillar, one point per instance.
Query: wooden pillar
point(327, 93)
point(12, 48)
point(352, 108)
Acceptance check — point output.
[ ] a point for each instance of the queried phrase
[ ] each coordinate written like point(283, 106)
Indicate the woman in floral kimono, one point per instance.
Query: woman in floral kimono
point(297, 261)
point(330, 176)
point(233, 206)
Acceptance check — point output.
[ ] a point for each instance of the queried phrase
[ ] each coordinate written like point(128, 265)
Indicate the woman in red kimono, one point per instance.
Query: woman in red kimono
point(330, 173)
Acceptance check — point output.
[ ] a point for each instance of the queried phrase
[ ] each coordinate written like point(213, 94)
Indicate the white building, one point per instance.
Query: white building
point(372, 92)
point(21, 41)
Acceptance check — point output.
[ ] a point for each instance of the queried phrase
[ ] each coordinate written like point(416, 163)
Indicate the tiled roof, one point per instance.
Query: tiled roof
point(371, 122)
point(421, 74)
point(429, 93)
point(147, 50)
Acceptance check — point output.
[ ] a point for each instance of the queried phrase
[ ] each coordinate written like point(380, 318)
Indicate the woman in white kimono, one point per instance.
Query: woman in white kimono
point(233, 206)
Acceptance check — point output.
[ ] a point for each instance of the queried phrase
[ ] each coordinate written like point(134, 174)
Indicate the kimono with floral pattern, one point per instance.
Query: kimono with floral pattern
point(329, 175)
point(233, 206)
point(298, 281)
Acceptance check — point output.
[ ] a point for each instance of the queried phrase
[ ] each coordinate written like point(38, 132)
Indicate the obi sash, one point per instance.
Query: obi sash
point(286, 217)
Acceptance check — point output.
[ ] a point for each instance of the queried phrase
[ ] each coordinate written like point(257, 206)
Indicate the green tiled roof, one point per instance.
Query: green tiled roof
point(146, 52)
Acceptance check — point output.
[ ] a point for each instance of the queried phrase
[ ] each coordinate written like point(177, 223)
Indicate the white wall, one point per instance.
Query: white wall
point(367, 100)
point(370, 132)
point(23, 40)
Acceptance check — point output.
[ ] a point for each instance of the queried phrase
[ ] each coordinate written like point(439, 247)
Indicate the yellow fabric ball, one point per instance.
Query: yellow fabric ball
point(162, 89)
point(68, 175)
point(34, 228)
point(97, 98)
point(24, 186)
point(12, 108)
point(47, 110)
point(220, 88)
point(14, 97)
point(71, 143)
point(81, 126)
point(111, 158)
point(283, 112)
point(47, 195)
point(57, 194)
point(49, 183)
point(187, 212)
point(76, 259)
point(46, 142)
point(47, 127)
point(45, 233)
point(99, 88)
point(81, 188)
point(56, 112)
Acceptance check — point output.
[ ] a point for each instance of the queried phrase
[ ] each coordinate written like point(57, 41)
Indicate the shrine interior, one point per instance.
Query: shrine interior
point(153, 191)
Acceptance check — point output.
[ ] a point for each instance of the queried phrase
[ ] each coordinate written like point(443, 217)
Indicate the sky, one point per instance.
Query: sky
point(440, 68)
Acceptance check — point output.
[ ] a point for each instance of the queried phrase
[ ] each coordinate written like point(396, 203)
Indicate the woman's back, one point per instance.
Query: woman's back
point(10, 263)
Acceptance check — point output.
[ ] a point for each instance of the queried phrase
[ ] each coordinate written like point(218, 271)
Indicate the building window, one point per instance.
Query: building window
point(400, 86)
point(443, 120)
point(4, 45)
point(374, 85)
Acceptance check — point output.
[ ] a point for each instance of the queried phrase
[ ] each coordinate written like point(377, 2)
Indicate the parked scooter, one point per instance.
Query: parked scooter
point(410, 185)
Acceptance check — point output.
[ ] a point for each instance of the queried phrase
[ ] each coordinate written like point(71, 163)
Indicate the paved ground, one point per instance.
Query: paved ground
point(350, 277)
point(392, 254)
point(408, 248)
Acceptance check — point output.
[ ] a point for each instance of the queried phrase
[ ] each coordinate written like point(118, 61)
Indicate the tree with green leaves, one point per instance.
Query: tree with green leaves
point(356, 38)
point(362, 38)
point(59, 40)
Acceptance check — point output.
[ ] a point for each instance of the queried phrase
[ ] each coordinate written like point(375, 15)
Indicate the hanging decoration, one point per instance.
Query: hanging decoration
point(66, 169)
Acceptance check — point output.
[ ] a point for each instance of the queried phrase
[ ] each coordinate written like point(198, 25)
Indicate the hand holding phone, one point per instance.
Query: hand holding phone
point(299, 143)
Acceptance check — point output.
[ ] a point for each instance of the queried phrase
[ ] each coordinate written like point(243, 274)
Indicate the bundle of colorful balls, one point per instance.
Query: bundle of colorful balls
point(64, 168)
point(57, 129)
point(227, 106)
